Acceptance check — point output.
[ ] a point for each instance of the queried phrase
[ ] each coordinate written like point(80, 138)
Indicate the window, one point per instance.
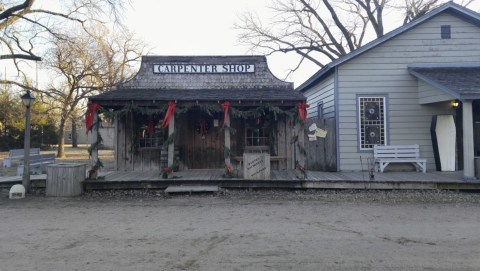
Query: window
point(445, 31)
point(153, 138)
point(257, 136)
point(320, 110)
point(371, 114)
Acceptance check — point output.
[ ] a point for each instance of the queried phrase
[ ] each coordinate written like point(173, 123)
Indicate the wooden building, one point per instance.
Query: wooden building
point(200, 112)
point(390, 91)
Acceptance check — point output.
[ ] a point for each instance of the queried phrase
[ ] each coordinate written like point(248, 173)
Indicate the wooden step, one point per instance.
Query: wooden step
point(191, 189)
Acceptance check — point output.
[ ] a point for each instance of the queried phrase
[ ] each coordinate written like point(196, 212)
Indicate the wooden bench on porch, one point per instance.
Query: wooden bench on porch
point(384, 155)
point(16, 155)
point(37, 163)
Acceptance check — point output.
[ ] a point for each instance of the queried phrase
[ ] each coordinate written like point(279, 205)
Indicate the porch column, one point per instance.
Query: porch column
point(93, 140)
point(299, 150)
point(171, 146)
point(468, 155)
point(227, 141)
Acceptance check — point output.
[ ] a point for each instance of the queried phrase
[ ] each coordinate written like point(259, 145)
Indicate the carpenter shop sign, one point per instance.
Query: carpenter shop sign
point(203, 68)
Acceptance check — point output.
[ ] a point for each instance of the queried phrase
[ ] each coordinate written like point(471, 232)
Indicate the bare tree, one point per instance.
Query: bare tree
point(25, 24)
point(86, 66)
point(323, 30)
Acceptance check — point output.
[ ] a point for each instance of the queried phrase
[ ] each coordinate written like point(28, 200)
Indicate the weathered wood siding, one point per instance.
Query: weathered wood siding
point(197, 151)
point(322, 93)
point(127, 159)
point(383, 70)
point(321, 153)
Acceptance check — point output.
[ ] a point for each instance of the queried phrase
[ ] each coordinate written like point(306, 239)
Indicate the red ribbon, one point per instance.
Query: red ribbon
point(302, 111)
point(225, 106)
point(203, 127)
point(168, 116)
point(91, 108)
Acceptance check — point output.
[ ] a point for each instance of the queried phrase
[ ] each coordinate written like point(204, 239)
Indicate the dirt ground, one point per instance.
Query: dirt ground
point(240, 230)
point(256, 230)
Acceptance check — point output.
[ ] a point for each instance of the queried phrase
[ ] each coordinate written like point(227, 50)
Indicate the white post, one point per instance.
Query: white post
point(468, 146)
point(171, 146)
point(227, 141)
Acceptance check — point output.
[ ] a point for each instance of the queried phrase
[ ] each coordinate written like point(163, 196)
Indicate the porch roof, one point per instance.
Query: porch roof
point(267, 95)
point(462, 83)
point(245, 79)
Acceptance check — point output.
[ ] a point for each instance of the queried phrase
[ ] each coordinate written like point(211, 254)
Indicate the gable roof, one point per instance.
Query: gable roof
point(460, 82)
point(449, 7)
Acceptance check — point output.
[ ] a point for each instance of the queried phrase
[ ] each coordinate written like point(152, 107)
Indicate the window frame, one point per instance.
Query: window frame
point(320, 111)
point(266, 136)
point(382, 121)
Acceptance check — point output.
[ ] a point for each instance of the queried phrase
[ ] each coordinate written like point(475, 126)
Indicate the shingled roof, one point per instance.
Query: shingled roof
point(460, 82)
point(150, 85)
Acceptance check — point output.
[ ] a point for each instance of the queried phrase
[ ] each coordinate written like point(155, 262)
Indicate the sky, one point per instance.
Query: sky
point(206, 27)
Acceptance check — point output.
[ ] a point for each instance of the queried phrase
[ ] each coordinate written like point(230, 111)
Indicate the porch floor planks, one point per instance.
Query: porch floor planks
point(284, 175)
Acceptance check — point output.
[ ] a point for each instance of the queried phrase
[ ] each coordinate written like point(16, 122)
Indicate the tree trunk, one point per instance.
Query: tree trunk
point(74, 134)
point(61, 139)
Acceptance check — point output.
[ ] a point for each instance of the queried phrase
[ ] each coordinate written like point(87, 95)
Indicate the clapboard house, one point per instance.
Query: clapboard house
point(393, 90)
point(202, 112)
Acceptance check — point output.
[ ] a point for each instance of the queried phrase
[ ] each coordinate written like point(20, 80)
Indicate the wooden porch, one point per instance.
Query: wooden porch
point(280, 179)
point(287, 179)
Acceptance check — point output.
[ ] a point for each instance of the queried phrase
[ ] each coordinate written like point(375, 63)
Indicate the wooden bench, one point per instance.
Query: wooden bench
point(384, 155)
point(37, 163)
point(16, 155)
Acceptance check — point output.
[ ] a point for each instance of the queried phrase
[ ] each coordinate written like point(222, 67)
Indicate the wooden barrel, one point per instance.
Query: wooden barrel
point(65, 179)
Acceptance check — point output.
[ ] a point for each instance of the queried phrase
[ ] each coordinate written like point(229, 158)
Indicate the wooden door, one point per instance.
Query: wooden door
point(201, 141)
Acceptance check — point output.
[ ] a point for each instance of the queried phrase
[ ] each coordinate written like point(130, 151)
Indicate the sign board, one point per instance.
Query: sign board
point(256, 166)
point(174, 68)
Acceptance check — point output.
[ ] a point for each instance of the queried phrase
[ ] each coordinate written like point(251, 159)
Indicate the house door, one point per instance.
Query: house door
point(201, 139)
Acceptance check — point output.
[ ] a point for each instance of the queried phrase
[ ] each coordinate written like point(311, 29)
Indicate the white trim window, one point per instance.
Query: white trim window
point(371, 121)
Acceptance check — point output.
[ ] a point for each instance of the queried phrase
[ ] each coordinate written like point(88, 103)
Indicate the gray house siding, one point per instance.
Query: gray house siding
point(383, 70)
point(428, 94)
point(322, 93)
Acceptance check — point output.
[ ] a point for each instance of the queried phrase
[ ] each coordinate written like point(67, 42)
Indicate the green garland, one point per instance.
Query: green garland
point(171, 139)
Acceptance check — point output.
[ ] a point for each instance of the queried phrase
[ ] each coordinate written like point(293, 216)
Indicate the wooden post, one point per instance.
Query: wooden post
point(171, 146)
point(227, 141)
point(93, 140)
point(26, 147)
point(300, 155)
point(468, 146)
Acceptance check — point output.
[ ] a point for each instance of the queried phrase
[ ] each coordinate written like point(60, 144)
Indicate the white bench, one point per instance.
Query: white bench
point(16, 155)
point(37, 163)
point(384, 155)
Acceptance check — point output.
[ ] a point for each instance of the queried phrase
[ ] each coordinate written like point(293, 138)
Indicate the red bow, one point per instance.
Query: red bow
point(225, 106)
point(302, 111)
point(91, 108)
point(203, 127)
point(168, 116)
